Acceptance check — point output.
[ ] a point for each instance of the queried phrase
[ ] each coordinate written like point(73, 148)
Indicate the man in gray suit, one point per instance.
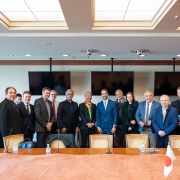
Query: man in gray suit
point(119, 134)
point(144, 115)
point(44, 117)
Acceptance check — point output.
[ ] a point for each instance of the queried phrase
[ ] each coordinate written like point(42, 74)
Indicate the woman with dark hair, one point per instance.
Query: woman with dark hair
point(128, 115)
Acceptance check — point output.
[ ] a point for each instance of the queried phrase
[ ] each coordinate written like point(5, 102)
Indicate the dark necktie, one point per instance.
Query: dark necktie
point(54, 111)
point(17, 110)
point(27, 108)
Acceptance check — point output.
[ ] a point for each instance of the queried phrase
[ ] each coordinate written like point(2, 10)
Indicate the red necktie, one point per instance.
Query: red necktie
point(54, 111)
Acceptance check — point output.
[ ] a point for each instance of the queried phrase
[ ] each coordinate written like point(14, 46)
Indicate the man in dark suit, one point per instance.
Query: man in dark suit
point(144, 115)
point(176, 104)
point(44, 117)
point(10, 120)
point(68, 115)
point(106, 114)
point(87, 113)
point(119, 101)
point(27, 115)
point(165, 122)
point(55, 105)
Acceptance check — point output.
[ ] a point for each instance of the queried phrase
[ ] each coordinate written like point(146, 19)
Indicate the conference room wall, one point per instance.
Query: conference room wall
point(17, 76)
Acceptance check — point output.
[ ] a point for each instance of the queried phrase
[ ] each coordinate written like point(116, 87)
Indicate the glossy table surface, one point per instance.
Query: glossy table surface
point(90, 151)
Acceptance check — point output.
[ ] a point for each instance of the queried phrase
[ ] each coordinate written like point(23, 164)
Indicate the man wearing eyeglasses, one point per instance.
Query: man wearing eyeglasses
point(55, 105)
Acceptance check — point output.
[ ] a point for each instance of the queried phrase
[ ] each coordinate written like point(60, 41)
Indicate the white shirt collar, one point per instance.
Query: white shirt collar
point(26, 104)
point(149, 103)
point(105, 100)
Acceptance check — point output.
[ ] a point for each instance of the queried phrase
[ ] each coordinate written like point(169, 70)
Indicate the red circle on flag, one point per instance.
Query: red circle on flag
point(167, 161)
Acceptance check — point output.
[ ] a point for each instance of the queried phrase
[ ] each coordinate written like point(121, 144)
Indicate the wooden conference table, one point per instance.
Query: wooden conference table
point(86, 164)
point(90, 151)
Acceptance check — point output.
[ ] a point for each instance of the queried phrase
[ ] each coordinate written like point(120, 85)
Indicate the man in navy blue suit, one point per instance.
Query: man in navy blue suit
point(165, 122)
point(106, 114)
point(27, 115)
point(144, 115)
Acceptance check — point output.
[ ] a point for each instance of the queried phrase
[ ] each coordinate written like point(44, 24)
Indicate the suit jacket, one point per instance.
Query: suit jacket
point(168, 126)
point(56, 107)
point(126, 121)
point(67, 119)
point(119, 106)
point(9, 119)
point(27, 120)
point(140, 113)
point(176, 104)
point(84, 115)
point(106, 118)
point(41, 114)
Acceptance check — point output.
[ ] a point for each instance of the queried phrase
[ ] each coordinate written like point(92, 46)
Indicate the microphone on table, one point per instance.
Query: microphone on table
point(109, 152)
point(8, 143)
point(58, 142)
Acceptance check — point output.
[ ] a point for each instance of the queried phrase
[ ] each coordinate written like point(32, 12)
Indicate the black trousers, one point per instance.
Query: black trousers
point(29, 134)
point(71, 130)
point(120, 136)
point(41, 139)
point(54, 128)
point(85, 136)
point(1, 141)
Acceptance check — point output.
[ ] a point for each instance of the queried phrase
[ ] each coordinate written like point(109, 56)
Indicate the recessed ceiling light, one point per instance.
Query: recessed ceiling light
point(66, 55)
point(142, 55)
point(28, 55)
point(178, 55)
point(104, 55)
point(46, 43)
point(9, 55)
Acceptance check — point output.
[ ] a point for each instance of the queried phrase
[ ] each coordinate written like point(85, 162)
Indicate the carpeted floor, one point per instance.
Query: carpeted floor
point(85, 167)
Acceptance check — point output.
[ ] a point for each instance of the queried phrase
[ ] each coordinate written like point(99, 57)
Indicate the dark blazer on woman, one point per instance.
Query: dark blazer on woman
point(84, 115)
point(126, 121)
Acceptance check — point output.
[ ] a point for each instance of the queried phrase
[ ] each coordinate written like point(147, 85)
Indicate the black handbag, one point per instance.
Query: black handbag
point(27, 143)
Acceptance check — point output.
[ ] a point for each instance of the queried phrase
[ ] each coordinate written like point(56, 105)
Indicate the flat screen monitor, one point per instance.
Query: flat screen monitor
point(112, 81)
point(166, 83)
point(59, 81)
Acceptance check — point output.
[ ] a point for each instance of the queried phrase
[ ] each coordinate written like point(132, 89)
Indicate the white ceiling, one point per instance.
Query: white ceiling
point(163, 42)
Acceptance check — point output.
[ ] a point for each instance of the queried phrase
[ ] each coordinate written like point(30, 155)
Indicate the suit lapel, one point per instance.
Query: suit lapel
point(152, 110)
point(86, 108)
point(44, 104)
point(108, 105)
point(144, 109)
point(56, 106)
point(167, 112)
point(24, 108)
point(161, 114)
point(14, 108)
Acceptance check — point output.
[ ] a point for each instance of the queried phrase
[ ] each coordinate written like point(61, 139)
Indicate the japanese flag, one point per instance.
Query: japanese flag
point(169, 161)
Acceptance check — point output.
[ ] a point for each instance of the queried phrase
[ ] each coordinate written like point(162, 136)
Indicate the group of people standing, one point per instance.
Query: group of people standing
point(120, 117)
